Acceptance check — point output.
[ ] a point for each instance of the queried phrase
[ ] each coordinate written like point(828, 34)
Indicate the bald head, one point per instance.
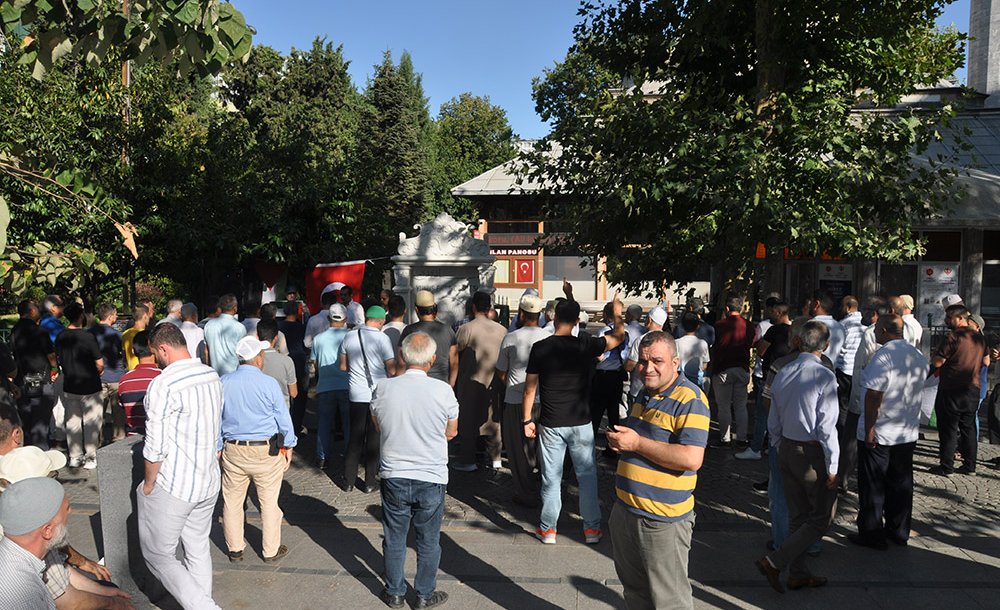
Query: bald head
point(896, 305)
point(888, 328)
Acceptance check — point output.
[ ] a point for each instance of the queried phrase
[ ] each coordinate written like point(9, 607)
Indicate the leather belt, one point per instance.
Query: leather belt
point(802, 443)
point(247, 443)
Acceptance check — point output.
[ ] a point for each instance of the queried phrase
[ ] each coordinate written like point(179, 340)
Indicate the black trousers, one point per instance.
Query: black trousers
point(885, 491)
point(363, 440)
point(36, 413)
point(605, 397)
point(956, 422)
point(301, 401)
point(849, 448)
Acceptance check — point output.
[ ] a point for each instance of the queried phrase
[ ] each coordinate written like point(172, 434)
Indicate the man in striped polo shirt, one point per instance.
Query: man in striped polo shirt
point(662, 445)
point(133, 384)
point(177, 497)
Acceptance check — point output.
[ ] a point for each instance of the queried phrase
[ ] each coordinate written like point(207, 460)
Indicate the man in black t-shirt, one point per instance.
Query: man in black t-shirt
point(82, 364)
point(36, 360)
point(559, 368)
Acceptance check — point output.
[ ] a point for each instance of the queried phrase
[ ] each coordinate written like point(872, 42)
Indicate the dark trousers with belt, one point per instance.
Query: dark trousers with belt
point(363, 440)
point(885, 491)
point(811, 505)
point(956, 421)
point(605, 397)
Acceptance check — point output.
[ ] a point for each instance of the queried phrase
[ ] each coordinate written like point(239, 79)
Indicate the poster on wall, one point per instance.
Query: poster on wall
point(936, 282)
point(835, 279)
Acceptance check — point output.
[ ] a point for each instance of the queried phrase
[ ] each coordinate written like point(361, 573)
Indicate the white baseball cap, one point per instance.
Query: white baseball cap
point(338, 312)
point(248, 347)
point(951, 299)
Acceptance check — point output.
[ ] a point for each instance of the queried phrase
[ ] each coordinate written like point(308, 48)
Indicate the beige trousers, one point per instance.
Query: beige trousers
point(83, 424)
point(240, 466)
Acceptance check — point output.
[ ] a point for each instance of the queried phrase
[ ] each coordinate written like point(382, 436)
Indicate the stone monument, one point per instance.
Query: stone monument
point(444, 258)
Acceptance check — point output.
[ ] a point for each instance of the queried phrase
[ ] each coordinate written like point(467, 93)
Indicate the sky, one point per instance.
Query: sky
point(491, 49)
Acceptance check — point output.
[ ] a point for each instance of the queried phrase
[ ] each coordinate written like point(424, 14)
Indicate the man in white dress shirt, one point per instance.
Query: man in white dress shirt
point(887, 434)
point(804, 412)
point(821, 310)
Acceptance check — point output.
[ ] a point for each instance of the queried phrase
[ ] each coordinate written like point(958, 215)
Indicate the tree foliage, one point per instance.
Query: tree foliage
point(202, 35)
point(472, 136)
point(738, 124)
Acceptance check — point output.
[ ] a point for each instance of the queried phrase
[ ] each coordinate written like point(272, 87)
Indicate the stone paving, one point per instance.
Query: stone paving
point(490, 560)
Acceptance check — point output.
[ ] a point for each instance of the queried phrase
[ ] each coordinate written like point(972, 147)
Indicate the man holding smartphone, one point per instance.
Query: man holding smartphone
point(662, 445)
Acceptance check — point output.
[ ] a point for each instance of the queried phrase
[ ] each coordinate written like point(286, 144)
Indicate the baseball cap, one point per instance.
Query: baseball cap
point(634, 311)
point(978, 319)
point(658, 315)
point(424, 298)
point(907, 301)
point(28, 462)
point(338, 312)
point(29, 504)
point(247, 348)
point(375, 312)
point(531, 304)
point(951, 299)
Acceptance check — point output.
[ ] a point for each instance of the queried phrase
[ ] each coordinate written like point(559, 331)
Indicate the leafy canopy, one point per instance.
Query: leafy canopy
point(686, 132)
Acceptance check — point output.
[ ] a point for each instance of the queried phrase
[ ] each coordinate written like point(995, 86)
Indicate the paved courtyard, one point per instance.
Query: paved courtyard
point(491, 560)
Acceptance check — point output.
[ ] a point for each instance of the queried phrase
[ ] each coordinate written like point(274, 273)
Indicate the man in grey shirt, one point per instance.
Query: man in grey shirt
point(276, 364)
point(415, 415)
point(445, 365)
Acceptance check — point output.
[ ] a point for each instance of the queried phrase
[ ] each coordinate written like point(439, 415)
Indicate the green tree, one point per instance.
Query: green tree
point(738, 123)
point(472, 136)
point(391, 163)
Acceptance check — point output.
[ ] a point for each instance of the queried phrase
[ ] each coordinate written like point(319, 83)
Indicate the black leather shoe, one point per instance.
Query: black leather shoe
point(393, 601)
point(235, 556)
point(940, 471)
point(433, 600)
point(369, 488)
point(772, 574)
point(321, 463)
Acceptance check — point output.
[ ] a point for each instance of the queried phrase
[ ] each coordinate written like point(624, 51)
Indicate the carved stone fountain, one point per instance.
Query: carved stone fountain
point(444, 258)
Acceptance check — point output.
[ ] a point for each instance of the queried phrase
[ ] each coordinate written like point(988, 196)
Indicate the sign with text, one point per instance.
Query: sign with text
point(936, 282)
point(835, 279)
point(501, 251)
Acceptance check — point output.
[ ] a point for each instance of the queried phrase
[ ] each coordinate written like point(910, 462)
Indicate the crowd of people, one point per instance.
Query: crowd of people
point(221, 403)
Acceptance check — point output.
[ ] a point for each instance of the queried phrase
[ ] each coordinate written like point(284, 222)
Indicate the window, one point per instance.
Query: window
point(558, 267)
point(943, 245)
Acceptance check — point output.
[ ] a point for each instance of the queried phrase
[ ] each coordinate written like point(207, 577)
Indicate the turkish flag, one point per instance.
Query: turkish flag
point(351, 273)
point(524, 271)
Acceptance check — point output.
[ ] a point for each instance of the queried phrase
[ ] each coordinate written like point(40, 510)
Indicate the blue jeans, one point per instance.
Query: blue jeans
point(327, 406)
point(553, 443)
point(406, 501)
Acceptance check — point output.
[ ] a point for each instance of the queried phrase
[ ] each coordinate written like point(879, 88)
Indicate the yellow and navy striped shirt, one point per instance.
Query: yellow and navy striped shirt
point(680, 415)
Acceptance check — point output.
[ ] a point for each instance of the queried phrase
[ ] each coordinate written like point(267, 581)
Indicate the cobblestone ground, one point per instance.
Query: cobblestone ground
point(955, 505)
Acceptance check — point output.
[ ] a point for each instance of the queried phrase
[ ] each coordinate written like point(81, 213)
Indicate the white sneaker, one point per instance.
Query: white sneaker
point(90, 464)
point(748, 454)
point(76, 462)
point(497, 464)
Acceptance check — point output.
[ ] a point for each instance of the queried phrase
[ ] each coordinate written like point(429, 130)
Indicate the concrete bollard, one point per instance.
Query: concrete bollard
point(119, 470)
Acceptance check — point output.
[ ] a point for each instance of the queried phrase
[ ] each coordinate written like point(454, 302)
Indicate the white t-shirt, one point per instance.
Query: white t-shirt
point(898, 369)
point(693, 353)
point(762, 326)
point(513, 358)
